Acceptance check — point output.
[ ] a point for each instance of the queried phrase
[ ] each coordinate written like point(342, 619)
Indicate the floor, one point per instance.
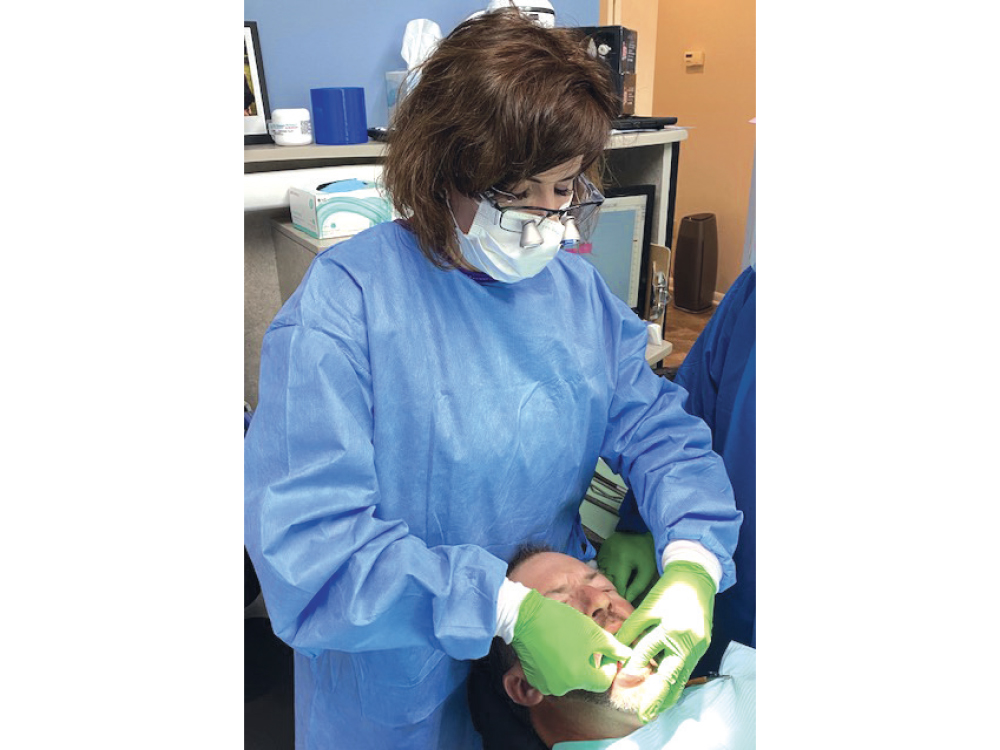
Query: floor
point(268, 711)
point(682, 329)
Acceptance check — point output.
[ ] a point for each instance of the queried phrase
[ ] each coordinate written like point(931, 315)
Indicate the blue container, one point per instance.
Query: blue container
point(338, 116)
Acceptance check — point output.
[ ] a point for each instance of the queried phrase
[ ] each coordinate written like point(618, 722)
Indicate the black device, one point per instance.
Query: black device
point(378, 134)
point(637, 122)
point(696, 263)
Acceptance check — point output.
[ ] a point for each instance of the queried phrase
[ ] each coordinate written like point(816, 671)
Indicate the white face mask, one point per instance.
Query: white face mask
point(498, 252)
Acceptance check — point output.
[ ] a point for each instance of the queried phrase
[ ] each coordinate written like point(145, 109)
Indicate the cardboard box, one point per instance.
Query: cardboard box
point(624, 86)
point(616, 47)
point(344, 208)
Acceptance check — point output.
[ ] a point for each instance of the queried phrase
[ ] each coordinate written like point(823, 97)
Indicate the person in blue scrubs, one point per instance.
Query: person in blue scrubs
point(437, 392)
point(720, 376)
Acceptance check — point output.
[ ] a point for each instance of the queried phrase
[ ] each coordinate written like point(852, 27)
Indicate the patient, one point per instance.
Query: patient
point(510, 713)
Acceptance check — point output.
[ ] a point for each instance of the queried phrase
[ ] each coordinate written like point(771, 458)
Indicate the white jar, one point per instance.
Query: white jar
point(290, 127)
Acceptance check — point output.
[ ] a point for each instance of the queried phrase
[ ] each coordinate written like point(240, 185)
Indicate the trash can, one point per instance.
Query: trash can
point(696, 261)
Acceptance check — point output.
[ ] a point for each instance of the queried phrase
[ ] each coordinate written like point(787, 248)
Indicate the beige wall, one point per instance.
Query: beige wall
point(716, 101)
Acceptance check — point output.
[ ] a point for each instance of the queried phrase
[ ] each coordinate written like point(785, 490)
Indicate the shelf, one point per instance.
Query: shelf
point(671, 134)
point(656, 352)
point(269, 152)
point(268, 155)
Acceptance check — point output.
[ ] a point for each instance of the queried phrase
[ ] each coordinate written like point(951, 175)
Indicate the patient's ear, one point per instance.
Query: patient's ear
point(519, 689)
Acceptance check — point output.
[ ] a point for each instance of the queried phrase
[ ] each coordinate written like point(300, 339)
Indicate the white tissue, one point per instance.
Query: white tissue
point(419, 40)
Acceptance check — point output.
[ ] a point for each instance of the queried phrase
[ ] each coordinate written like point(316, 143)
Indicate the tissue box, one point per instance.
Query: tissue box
point(341, 209)
point(616, 46)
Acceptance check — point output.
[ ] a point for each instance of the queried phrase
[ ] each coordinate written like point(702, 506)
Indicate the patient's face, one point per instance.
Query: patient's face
point(566, 579)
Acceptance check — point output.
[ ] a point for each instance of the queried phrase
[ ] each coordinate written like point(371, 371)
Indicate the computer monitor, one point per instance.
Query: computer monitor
point(620, 243)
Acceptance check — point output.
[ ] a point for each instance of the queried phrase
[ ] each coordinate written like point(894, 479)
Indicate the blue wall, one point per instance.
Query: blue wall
point(315, 43)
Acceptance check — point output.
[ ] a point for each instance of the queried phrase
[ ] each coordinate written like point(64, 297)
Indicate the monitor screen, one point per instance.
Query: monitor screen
point(620, 243)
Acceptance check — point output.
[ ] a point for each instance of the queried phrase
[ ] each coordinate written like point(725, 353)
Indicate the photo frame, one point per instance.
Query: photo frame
point(256, 109)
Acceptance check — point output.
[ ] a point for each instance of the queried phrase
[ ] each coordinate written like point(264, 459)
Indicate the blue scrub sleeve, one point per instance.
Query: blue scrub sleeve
point(665, 456)
point(718, 360)
point(334, 574)
point(628, 515)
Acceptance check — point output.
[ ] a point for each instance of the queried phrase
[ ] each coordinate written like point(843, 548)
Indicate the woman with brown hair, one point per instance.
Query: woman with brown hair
point(436, 394)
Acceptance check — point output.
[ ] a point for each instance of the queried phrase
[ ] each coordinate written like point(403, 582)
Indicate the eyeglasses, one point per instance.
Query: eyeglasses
point(511, 221)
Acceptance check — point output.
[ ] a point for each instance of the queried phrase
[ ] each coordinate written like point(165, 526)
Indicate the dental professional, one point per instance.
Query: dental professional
point(437, 392)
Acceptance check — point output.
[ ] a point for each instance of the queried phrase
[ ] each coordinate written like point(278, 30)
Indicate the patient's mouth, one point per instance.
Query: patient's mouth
point(630, 679)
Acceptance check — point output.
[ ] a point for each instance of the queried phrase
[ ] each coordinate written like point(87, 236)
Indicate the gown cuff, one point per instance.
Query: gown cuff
point(511, 596)
point(691, 551)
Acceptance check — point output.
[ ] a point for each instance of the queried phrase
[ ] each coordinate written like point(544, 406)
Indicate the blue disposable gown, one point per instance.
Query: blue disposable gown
point(414, 427)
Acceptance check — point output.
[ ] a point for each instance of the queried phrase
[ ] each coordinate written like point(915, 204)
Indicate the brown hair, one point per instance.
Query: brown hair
point(500, 100)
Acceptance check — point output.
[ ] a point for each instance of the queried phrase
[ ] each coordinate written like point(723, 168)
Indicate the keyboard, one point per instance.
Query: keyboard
point(642, 123)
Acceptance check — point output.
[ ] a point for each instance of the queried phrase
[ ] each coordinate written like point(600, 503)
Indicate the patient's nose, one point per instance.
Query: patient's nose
point(597, 603)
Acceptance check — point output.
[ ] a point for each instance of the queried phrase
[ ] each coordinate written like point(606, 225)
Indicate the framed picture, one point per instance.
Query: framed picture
point(256, 110)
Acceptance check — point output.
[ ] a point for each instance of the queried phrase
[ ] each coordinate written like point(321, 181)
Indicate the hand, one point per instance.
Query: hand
point(629, 562)
point(679, 610)
point(556, 646)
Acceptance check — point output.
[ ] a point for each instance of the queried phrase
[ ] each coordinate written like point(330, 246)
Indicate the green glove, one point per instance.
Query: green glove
point(679, 610)
point(629, 562)
point(556, 646)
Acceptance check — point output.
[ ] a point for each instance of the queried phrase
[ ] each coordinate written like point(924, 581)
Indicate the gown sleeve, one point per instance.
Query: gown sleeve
point(713, 374)
point(665, 456)
point(336, 575)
